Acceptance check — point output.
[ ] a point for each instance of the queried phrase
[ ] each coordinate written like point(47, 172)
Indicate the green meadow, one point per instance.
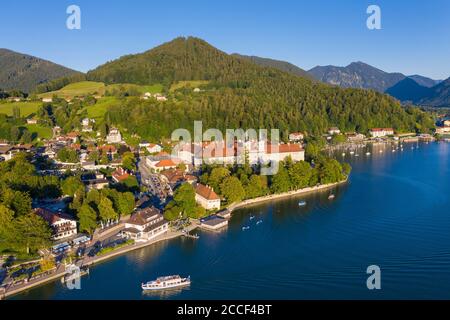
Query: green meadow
point(77, 89)
point(26, 107)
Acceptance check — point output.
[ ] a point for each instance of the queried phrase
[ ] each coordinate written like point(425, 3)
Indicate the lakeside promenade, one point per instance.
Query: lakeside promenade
point(90, 261)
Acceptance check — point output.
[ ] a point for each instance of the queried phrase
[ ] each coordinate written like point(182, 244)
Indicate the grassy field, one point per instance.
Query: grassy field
point(98, 110)
point(156, 88)
point(77, 89)
point(40, 131)
point(26, 107)
point(188, 84)
point(98, 88)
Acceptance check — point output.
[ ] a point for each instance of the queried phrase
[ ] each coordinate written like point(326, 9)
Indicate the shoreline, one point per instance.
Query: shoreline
point(255, 201)
point(61, 271)
point(168, 236)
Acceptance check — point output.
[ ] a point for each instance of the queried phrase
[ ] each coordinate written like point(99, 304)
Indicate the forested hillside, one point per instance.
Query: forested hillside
point(242, 94)
point(23, 72)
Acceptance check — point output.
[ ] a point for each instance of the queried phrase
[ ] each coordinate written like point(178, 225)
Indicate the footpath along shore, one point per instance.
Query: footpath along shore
point(89, 261)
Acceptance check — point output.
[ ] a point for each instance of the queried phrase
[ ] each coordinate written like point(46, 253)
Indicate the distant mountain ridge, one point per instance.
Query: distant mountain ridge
point(357, 75)
point(277, 64)
point(409, 91)
point(24, 72)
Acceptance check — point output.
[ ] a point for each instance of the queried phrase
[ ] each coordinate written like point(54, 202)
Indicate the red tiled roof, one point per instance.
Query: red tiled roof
point(381, 129)
point(120, 174)
point(73, 134)
point(107, 148)
point(49, 216)
point(143, 216)
point(165, 163)
point(284, 148)
point(206, 192)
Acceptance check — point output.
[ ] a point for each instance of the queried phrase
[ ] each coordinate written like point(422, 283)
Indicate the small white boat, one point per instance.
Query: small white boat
point(258, 222)
point(367, 153)
point(245, 228)
point(252, 217)
point(352, 152)
point(343, 154)
point(331, 197)
point(164, 283)
point(302, 203)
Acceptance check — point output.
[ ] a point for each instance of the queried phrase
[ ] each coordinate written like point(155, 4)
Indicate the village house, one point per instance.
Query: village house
point(153, 148)
point(108, 150)
point(213, 223)
point(73, 136)
point(176, 177)
point(144, 144)
point(114, 136)
point(62, 225)
point(47, 100)
point(446, 123)
point(88, 165)
point(206, 197)
point(145, 224)
point(296, 137)
point(161, 165)
point(160, 97)
point(120, 175)
point(355, 137)
point(94, 181)
point(334, 130)
point(381, 132)
point(443, 130)
point(32, 121)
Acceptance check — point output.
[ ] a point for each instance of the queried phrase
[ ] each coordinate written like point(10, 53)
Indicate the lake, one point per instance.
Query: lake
point(394, 213)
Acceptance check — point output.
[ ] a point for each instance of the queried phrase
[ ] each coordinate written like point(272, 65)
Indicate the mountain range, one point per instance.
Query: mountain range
point(27, 73)
point(23, 72)
point(277, 64)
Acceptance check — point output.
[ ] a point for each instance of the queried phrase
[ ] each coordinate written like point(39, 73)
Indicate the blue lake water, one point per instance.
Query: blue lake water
point(394, 213)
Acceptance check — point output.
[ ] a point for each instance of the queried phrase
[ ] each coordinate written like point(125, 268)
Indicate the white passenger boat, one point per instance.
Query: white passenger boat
point(164, 283)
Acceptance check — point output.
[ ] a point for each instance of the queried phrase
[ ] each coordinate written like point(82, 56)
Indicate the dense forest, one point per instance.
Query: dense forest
point(241, 94)
point(23, 72)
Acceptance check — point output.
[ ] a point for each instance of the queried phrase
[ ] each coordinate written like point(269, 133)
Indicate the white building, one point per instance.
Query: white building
point(160, 165)
point(296, 136)
point(334, 130)
point(154, 148)
point(443, 130)
point(145, 224)
point(206, 197)
point(32, 121)
point(62, 225)
point(114, 136)
point(381, 132)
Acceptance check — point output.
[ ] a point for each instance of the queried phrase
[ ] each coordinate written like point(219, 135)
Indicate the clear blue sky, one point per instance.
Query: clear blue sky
point(415, 35)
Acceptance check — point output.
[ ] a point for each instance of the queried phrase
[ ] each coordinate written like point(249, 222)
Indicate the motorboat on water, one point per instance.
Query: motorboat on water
point(331, 197)
point(164, 283)
point(258, 222)
point(245, 228)
point(302, 203)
